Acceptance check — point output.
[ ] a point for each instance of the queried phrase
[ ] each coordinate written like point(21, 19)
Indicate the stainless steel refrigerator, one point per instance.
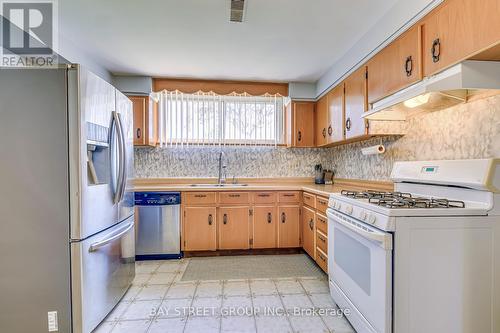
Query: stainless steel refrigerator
point(67, 247)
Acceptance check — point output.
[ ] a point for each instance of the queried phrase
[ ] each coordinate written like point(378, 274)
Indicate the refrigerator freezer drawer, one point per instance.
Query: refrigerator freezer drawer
point(103, 267)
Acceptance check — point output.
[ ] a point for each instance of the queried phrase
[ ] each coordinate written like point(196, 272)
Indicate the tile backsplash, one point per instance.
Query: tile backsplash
point(464, 131)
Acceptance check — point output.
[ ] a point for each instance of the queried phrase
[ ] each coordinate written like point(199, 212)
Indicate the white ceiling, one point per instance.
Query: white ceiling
point(280, 40)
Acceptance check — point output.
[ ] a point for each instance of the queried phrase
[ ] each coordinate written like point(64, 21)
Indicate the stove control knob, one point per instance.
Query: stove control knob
point(372, 219)
point(348, 209)
point(362, 215)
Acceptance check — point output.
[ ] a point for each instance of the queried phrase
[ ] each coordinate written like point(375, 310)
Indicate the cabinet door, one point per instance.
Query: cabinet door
point(336, 116)
point(396, 66)
point(308, 230)
point(456, 30)
point(289, 226)
point(355, 103)
point(199, 229)
point(140, 108)
point(234, 228)
point(303, 124)
point(153, 123)
point(264, 227)
point(321, 125)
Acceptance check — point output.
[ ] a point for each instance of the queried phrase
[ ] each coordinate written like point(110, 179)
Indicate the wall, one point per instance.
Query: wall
point(462, 132)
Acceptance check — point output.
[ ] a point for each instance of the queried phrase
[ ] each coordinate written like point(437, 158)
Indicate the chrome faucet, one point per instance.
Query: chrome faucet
point(222, 169)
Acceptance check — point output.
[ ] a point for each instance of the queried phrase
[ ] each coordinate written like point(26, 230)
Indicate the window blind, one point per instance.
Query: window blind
point(210, 119)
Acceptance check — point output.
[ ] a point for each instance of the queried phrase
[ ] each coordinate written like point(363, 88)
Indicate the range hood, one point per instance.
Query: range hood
point(450, 87)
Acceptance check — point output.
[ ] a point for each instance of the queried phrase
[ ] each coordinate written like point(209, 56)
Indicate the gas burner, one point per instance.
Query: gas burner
point(402, 200)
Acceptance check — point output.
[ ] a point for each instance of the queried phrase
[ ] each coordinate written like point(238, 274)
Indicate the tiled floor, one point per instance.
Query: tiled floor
point(160, 302)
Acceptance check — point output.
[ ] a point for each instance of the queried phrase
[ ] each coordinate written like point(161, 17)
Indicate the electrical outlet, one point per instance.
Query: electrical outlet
point(52, 320)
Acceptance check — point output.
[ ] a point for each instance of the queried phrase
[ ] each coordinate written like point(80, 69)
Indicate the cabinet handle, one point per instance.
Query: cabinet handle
point(321, 220)
point(288, 195)
point(322, 258)
point(138, 133)
point(263, 195)
point(283, 217)
point(436, 50)
point(322, 202)
point(408, 66)
point(299, 136)
point(311, 224)
point(234, 195)
point(348, 124)
point(200, 195)
point(322, 239)
point(324, 132)
point(269, 218)
point(210, 219)
point(224, 219)
point(330, 130)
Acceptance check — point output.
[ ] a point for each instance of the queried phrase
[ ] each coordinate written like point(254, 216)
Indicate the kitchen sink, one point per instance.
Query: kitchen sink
point(218, 185)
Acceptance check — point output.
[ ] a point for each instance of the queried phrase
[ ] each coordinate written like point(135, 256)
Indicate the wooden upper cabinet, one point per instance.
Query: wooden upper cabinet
point(355, 103)
point(335, 101)
point(234, 228)
point(199, 229)
point(456, 30)
point(308, 230)
point(321, 117)
point(397, 66)
point(264, 227)
point(289, 226)
point(300, 124)
point(145, 120)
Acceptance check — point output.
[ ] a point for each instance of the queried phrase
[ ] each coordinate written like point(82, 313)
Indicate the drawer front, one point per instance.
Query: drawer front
point(321, 204)
point(309, 199)
point(322, 241)
point(264, 197)
point(234, 197)
point(292, 196)
point(199, 198)
point(322, 223)
point(322, 260)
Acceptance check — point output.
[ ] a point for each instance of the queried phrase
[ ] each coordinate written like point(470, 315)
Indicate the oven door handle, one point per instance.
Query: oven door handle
point(385, 239)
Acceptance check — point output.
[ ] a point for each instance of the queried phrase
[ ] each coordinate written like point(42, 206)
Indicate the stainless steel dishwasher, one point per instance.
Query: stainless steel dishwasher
point(158, 225)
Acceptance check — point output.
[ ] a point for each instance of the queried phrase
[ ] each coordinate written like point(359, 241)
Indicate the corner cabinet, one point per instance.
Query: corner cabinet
point(300, 124)
point(145, 120)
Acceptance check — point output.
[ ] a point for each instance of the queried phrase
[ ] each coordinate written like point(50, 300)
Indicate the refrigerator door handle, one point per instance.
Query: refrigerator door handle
point(97, 245)
point(121, 154)
point(123, 162)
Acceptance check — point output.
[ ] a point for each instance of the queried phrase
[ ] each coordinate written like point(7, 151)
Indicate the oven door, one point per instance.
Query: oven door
point(360, 271)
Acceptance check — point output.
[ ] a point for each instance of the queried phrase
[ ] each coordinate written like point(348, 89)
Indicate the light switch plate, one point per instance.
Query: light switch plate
point(52, 319)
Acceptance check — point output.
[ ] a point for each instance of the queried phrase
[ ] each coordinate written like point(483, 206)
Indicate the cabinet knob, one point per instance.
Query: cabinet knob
point(138, 133)
point(269, 217)
point(210, 219)
point(324, 132)
point(436, 50)
point(408, 66)
point(224, 219)
point(283, 217)
point(348, 124)
point(311, 224)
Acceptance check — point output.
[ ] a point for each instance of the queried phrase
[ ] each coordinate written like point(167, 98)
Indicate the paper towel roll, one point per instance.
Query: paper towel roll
point(378, 149)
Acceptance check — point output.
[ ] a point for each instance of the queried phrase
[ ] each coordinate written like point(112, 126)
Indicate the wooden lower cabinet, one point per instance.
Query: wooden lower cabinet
point(308, 230)
point(200, 230)
point(289, 226)
point(234, 225)
point(264, 227)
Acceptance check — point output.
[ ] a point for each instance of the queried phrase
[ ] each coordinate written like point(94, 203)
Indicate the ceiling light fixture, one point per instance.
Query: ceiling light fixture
point(237, 10)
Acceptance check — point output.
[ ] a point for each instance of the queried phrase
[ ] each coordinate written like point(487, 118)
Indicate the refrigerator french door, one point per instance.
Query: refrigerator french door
point(66, 232)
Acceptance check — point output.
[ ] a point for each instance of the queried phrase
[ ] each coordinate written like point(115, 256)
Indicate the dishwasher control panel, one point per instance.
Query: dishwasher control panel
point(157, 198)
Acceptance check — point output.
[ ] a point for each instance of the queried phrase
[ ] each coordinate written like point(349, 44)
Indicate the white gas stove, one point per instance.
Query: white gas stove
point(419, 258)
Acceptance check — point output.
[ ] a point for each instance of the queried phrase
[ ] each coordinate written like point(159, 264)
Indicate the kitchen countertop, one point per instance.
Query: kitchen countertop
point(277, 184)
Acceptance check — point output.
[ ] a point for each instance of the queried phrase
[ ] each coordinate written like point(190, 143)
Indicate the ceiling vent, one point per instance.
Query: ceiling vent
point(237, 10)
